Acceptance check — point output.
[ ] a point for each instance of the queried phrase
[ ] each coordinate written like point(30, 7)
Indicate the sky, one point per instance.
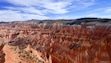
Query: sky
point(20, 10)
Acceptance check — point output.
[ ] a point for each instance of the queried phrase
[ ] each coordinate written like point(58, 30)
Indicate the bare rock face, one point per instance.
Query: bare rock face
point(2, 54)
point(27, 55)
point(34, 43)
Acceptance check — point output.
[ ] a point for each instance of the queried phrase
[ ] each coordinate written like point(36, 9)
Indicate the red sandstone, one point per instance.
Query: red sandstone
point(32, 43)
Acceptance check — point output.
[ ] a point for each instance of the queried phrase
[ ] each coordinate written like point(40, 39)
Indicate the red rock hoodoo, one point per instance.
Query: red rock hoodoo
point(35, 43)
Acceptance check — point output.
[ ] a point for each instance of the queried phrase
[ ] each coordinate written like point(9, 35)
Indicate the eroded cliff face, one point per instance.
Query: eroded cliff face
point(28, 55)
point(2, 55)
point(35, 43)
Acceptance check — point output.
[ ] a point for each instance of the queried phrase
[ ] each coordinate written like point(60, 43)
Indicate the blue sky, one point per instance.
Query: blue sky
point(15, 10)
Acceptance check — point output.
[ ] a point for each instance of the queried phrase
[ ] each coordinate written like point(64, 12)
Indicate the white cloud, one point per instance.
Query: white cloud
point(39, 9)
point(92, 14)
point(108, 10)
point(81, 4)
point(99, 15)
point(53, 6)
point(9, 15)
point(103, 10)
point(100, 12)
point(33, 16)
point(31, 10)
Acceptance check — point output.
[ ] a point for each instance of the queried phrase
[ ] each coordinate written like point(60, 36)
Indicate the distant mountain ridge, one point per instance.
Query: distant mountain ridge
point(78, 21)
point(68, 21)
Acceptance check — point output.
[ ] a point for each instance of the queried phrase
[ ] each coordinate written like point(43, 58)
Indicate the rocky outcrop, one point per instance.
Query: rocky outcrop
point(27, 55)
point(35, 43)
point(2, 54)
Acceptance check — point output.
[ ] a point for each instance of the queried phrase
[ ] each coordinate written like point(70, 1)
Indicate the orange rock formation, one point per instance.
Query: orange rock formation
point(35, 43)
